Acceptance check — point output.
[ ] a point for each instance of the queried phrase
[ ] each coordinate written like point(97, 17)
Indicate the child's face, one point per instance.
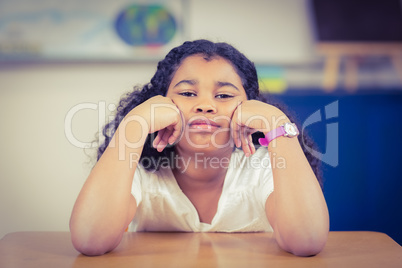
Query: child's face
point(207, 93)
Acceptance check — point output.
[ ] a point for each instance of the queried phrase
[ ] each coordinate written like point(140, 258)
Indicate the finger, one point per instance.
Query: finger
point(178, 130)
point(161, 139)
point(250, 149)
point(161, 146)
point(174, 136)
point(250, 132)
point(233, 131)
point(164, 139)
point(251, 144)
point(245, 142)
point(157, 138)
point(239, 134)
point(236, 128)
point(236, 134)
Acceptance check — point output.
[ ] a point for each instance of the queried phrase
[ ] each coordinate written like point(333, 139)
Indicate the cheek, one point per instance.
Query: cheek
point(169, 94)
point(183, 106)
point(229, 109)
point(174, 98)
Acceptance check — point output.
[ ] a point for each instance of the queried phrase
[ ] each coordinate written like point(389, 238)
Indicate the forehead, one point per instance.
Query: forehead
point(215, 66)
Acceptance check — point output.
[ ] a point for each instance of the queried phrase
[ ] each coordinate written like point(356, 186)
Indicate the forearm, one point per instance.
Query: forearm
point(301, 220)
point(105, 205)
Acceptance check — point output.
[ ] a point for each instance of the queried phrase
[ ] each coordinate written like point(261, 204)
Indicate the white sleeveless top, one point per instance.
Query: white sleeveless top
point(162, 206)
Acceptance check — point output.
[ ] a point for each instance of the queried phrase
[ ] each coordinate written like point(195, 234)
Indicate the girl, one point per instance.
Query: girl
point(181, 155)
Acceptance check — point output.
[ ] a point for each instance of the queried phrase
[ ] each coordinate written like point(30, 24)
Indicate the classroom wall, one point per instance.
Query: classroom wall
point(42, 171)
point(42, 167)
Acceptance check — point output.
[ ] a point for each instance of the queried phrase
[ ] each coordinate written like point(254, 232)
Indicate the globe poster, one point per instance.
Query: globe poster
point(89, 30)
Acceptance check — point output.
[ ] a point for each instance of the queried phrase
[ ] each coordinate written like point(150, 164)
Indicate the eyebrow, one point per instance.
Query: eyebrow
point(219, 84)
point(190, 82)
point(225, 84)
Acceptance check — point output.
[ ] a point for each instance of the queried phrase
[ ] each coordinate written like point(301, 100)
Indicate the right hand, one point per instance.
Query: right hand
point(161, 115)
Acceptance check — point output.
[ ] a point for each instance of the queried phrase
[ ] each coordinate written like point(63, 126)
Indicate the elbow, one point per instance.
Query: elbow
point(304, 244)
point(90, 246)
point(91, 243)
point(307, 248)
point(90, 249)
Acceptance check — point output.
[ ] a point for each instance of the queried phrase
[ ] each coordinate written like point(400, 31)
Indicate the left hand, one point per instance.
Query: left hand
point(252, 116)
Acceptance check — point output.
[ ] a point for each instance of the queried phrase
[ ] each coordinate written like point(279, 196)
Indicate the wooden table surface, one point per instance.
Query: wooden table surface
point(54, 249)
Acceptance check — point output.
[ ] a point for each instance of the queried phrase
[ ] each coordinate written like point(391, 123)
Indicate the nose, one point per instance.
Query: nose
point(205, 109)
point(205, 106)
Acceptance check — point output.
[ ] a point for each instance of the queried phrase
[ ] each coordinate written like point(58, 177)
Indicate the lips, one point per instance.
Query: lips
point(203, 124)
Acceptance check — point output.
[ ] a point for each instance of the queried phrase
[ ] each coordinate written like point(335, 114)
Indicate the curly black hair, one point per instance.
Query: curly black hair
point(159, 85)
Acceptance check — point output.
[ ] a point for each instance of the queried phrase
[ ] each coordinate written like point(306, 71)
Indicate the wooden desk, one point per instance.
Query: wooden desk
point(54, 249)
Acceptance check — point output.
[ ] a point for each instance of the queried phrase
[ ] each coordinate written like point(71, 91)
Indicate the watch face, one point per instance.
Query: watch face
point(291, 129)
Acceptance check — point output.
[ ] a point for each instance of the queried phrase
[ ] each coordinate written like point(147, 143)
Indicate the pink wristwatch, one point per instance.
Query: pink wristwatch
point(288, 130)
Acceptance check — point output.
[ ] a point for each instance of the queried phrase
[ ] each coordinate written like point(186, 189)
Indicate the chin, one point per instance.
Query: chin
point(203, 144)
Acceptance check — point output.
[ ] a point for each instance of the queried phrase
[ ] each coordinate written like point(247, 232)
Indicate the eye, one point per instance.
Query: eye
point(187, 94)
point(223, 96)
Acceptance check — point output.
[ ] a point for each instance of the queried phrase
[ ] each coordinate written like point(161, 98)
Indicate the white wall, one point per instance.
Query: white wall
point(41, 171)
point(267, 31)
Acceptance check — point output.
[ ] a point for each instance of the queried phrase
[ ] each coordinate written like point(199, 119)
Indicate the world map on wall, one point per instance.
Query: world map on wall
point(89, 29)
point(140, 25)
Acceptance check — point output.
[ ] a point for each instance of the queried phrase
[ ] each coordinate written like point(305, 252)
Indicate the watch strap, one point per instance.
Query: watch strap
point(273, 134)
point(288, 130)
